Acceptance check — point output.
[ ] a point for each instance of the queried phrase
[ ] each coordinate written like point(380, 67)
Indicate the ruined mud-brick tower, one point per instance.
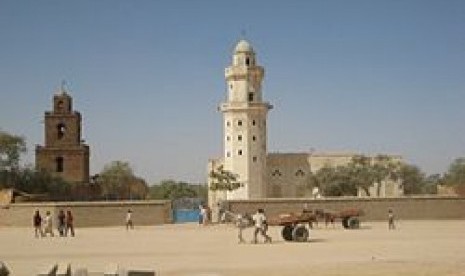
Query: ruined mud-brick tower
point(244, 123)
point(64, 154)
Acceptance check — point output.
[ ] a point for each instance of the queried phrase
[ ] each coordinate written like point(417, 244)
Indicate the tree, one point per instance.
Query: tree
point(431, 184)
point(455, 175)
point(365, 171)
point(201, 191)
point(11, 147)
point(117, 181)
point(333, 181)
point(137, 189)
point(413, 179)
point(43, 183)
point(170, 189)
point(384, 168)
point(223, 180)
point(361, 173)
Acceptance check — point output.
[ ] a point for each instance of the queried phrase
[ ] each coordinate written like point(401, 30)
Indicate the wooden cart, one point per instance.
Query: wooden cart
point(296, 226)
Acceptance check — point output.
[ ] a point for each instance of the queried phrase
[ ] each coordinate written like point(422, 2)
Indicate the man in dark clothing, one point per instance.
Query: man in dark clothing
point(69, 223)
point(37, 222)
point(61, 223)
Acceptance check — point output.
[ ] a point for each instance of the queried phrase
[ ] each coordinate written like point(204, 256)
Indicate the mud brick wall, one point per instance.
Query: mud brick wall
point(90, 214)
point(407, 208)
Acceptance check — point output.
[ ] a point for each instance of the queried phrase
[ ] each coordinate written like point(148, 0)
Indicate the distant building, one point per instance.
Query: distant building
point(264, 174)
point(64, 154)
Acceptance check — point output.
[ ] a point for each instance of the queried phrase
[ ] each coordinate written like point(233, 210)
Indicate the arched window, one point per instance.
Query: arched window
point(276, 173)
point(247, 61)
point(59, 164)
point(60, 105)
point(299, 172)
point(61, 129)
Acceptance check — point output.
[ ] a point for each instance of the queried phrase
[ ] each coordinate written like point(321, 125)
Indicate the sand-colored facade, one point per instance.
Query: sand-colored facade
point(263, 174)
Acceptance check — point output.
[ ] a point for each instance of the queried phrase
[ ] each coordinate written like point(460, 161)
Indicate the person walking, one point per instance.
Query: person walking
point(48, 224)
point(391, 224)
point(261, 226)
point(129, 223)
point(241, 223)
point(207, 218)
point(37, 222)
point(69, 223)
point(61, 223)
point(201, 214)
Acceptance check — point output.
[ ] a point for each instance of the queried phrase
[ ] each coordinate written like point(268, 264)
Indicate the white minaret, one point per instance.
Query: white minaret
point(245, 114)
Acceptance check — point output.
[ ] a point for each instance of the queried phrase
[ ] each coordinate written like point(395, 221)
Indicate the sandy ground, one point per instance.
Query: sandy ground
point(414, 248)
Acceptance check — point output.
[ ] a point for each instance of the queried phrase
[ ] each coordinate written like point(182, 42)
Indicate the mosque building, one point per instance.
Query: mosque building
point(263, 174)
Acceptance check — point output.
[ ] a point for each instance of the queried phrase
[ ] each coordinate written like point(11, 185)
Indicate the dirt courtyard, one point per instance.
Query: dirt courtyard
point(414, 248)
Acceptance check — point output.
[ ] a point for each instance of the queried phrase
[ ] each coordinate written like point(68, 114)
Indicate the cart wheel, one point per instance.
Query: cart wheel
point(345, 222)
point(287, 232)
point(300, 233)
point(353, 223)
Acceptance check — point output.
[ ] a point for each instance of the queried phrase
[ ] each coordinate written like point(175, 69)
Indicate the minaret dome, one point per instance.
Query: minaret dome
point(243, 46)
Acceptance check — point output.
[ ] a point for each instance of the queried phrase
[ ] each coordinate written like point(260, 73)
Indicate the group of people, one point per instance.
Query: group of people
point(44, 226)
point(259, 222)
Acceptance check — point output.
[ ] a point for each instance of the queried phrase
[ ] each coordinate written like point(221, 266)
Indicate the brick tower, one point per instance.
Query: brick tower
point(64, 153)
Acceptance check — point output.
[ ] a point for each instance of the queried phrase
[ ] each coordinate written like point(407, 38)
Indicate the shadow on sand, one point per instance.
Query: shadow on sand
point(293, 242)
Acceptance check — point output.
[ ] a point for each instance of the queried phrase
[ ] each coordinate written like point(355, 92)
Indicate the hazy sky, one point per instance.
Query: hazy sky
point(147, 76)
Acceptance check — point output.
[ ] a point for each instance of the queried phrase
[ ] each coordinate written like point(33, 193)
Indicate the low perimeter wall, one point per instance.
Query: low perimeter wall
point(90, 214)
point(408, 208)
point(111, 213)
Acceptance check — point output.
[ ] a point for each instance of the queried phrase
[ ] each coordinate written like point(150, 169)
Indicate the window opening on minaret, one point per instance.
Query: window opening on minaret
point(239, 152)
point(253, 122)
point(276, 173)
point(228, 154)
point(254, 158)
point(254, 138)
point(228, 123)
point(251, 97)
point(239, 123)
point(228, 138)
point(239, 137)
point(61, 129)
point(299, 172)
point(247, 61)
point(59, 164)
point(60, 105)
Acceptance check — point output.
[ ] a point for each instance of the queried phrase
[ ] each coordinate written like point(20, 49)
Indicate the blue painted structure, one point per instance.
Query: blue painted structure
point(186, 215)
